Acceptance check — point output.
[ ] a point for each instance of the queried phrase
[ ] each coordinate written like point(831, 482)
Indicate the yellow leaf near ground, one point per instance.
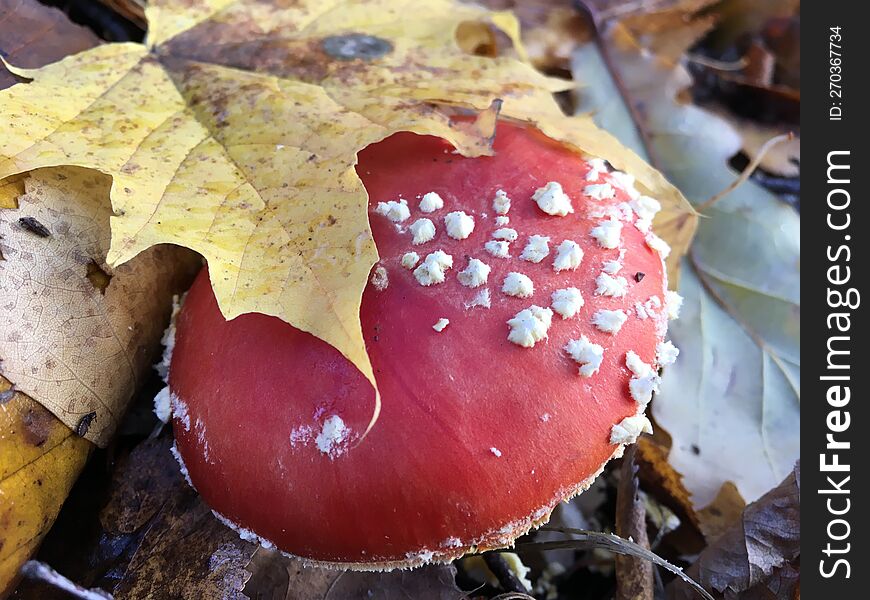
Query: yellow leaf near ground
point(234, 132)
point(40, 459)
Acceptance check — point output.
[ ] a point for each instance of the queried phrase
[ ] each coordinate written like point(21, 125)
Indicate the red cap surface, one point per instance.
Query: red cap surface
point(478, 438)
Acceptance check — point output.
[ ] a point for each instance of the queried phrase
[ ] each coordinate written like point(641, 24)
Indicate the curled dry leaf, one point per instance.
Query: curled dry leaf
point(270, 107)
point(757, 557)
point(667, 29)
point(76, 334)
point(734, 394)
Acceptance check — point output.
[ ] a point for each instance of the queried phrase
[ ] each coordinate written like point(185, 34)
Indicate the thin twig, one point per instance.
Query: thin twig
point(611, 543)
point(507, 579)
point(717, 65)
point(634, 575)
point(747, 172)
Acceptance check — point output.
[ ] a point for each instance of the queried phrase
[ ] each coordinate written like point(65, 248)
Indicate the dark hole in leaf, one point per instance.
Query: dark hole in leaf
point(98, 277)
point(352, 46)
point(480, 39)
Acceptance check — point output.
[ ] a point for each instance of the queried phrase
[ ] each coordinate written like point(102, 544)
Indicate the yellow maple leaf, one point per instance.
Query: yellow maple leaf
point(234, 132)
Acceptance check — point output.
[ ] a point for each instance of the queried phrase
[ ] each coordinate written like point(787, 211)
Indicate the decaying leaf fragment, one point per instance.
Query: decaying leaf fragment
point(234, 132)
point(183, 551)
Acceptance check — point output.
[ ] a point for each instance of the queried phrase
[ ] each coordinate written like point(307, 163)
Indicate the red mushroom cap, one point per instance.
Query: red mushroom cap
point(478, 438)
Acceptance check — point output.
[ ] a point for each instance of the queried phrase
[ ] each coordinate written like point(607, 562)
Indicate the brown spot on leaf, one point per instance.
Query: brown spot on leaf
point(37, 427)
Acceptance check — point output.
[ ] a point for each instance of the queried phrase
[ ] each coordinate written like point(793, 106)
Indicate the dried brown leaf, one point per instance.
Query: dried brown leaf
point(757, 554)
point(667, 29)
point(741, 17)
point(33, 35)
point(184, 551)
point(725, 510)
point(277, 577)
point(435, 582)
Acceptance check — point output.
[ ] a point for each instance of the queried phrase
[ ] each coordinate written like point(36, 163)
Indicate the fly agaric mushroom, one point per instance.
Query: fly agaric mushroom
point(542, 375)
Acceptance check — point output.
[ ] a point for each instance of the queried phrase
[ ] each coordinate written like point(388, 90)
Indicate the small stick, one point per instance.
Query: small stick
point(502, 571)
point(747, 172)
point(634, 575)
point(718, 65)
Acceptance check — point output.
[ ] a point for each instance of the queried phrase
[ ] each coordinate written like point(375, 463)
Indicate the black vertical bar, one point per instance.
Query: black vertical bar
point(835, 169)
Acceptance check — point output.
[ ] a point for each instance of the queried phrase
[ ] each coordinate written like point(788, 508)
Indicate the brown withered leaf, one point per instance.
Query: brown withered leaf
point(741, 17)
point(667, 29)
point(32, 35)
point(725, 510)
point(660, 478)
point(277, 577)
point(184, 551)
point(140, 486)
point(76, 334)
point(757, 556)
